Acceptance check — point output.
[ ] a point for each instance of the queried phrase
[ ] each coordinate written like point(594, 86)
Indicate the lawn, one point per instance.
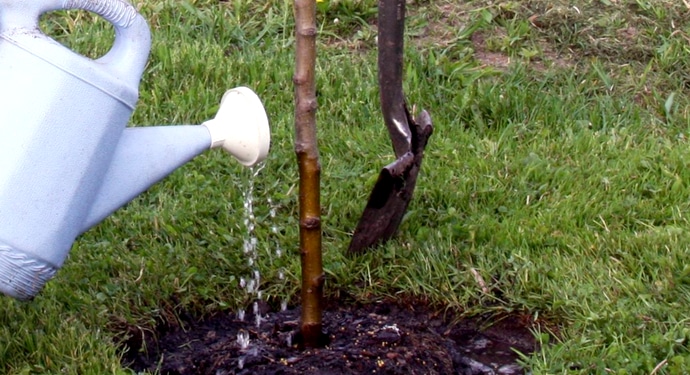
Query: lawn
point(556, 184)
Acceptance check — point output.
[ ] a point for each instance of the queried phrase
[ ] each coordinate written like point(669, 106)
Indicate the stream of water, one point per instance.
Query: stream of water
point(278, 250)
point(251, 282)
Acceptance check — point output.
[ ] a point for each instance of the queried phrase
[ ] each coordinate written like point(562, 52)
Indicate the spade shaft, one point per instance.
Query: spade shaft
point(391, 25)
point(395, 185)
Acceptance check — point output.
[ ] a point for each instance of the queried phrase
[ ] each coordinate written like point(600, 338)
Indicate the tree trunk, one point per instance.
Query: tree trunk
point(307, 152)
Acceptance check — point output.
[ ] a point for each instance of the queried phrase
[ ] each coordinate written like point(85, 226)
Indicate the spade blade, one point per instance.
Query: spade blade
point(392, 192)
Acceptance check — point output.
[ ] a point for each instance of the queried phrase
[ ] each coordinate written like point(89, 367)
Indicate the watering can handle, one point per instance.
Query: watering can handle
point(129, 53)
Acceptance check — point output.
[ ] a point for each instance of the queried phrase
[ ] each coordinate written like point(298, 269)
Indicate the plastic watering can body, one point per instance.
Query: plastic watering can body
point(66, 159)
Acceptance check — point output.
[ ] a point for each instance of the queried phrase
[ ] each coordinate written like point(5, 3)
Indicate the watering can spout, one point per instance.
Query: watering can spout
point(145, 155)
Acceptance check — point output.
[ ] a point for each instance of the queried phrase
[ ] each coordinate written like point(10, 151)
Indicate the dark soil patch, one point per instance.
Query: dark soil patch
point(377, 338)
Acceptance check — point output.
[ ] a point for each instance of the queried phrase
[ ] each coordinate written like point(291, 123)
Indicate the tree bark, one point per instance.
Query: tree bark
point(307, 152)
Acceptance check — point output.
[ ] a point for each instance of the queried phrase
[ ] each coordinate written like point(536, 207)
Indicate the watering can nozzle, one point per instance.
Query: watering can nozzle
point(241, 127)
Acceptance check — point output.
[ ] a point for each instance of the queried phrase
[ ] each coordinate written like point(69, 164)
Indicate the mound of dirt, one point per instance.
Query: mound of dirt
point(377, 338)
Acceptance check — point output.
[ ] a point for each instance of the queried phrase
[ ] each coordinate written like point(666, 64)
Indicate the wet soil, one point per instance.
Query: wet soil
point(376, 338)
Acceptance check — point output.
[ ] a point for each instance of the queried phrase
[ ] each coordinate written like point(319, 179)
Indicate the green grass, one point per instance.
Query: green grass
point(561, 178)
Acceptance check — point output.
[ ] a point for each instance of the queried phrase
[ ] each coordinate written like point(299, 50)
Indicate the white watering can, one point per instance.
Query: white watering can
point(66, 159)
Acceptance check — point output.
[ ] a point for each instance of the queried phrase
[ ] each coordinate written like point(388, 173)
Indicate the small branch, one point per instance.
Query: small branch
point(658, 367)
point(480, 280)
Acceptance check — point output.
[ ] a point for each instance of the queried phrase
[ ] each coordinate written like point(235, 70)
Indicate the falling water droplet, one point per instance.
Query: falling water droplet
point(251, 286)
point(240, 363)
point(243, 339)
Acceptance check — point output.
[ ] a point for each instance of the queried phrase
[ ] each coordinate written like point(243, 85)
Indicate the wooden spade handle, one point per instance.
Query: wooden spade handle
point(391, 25)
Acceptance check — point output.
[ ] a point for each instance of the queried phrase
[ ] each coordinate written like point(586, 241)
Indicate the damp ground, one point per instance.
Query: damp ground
point(374, 338)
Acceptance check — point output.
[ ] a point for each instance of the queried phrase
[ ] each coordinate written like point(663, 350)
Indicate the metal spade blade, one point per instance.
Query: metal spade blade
point(394, 188)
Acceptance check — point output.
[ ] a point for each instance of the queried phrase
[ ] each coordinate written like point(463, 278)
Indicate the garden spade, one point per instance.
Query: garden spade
point(395, 185)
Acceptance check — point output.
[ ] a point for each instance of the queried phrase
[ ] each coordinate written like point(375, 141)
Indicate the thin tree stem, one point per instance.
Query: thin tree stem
point(307, 152)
